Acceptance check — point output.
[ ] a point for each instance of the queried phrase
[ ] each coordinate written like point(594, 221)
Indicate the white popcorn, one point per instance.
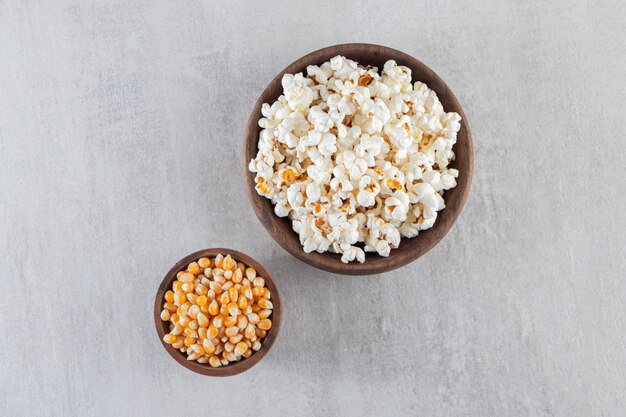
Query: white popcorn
point(356, 159)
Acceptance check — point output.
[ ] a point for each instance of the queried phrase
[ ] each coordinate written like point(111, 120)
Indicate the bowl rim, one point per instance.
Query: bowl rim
point(232, 368)
point(331, 262)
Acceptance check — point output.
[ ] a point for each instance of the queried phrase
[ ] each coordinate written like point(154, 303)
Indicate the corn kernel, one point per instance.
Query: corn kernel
point(191, 297)
point(258, 282)
point(230, 321)
point(249, 332)
point(204, 263)
point(214, 308)
point(203, 359)
point(260, 333)
point(228, 263)
point(169, 296)
point(201, 289)
point(224, 310)
point(169, 307)
point(201, 300)
point(228, 274)
point(214, 361)
point(174, 318)
point(202, 332)
point(178, 329)
point(186, 277)
point(253, 318)
point(190, 332)
point(213, 331)
point(233, 294)
point(165, 315)
point(203, 321)
point(247, 353)
point(193, 324)
point(187, 286)
point(231, 331)
point(256, 345)
point(237, 276)
point(194, 268)
point(257, 291)
point(208, 346)
point(217, 321)
point(170, 338)
point(263, 314)
point(251, 273)
point(265, 304)
point(193, 311)
point(235, 339)
point(233, 310)
point(242, 322)
point(224, 298)
point(240, 348)
point(189, 341)
point(265, 324)
point(242, 303)
point(227, 285)
point(266, 293)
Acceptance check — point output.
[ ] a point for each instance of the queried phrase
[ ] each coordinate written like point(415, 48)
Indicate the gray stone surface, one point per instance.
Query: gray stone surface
point(120, 133)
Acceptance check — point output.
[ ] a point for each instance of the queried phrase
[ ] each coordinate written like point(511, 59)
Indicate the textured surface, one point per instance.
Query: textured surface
point(120, 131)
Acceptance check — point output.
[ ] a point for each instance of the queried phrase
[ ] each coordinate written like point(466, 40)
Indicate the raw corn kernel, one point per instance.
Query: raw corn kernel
point(218, 311)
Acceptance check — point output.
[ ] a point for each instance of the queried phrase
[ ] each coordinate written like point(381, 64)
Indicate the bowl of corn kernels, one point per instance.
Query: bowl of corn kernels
point(217, 312)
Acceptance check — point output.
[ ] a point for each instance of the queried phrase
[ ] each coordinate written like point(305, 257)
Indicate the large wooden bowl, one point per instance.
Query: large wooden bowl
point(410, 249)
point(235, 367)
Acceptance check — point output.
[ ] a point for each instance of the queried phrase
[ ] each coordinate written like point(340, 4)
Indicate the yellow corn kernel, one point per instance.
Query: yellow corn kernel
point(208, 346)
point(213, 331)
point(177, 286)
point(218, 275)
point(187, 286)
point(201, 289)
point(258, 282)
point(233, 310)
point(227, 285)
point(224, 310)
point(216, 287)
point(253, 318)
point(247, 353)
point(256, 345)
point(194, 268)
point(193, 324)
point(180, 311)
point(203, 321)
point(188, 341)
point(260, 333)
point(205, 309)
point(214, 361)
point(231, 331)
point(263, 314)
point(228, 347)
point(183, 320)
point(217, 321)
point(228, 263)
point(190, 332)
point(265, 324)
point(251, 273)
point(196, 348)
point(224, 298)
point(202, 332)
point(246, 291)
point(214, 308)
point(178, 344)
point(186, 277)
point(191, 297)
point(233, 294)
point(230, 321)
point(218, 260)
point(165, 315)
point(266, 293)
point(169, 296)
point(169, 307)
point(193, 311)
point(174, 318)
point(235, 339)
point(178, 329)
point(242, 303)
point(201, 300)
point(258, 291)
point(228, 357)
point(179, 298)
point(208, 272)
point(237, 276)
point(203, 359)
point(265, 304)
point(204, 263)
point(170, 338)
point(240, 348)
point(228, 274)
point(249, 333)
point(179, 273)
point(185, 306)
point(242, 322)
point(194, 356)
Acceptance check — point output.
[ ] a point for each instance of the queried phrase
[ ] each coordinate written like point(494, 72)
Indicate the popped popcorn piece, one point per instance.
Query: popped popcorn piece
point(355, 158)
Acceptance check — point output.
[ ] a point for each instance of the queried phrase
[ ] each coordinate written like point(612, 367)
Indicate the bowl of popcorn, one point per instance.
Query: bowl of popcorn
point(217, 312)
point(358, 159)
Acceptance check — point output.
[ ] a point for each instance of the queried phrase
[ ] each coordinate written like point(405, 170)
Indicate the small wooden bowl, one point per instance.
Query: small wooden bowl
point(232, 368)
point(410, 249)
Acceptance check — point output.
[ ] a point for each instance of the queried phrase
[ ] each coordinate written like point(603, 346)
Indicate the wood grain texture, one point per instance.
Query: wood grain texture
point(236, 367)
point(410, 249)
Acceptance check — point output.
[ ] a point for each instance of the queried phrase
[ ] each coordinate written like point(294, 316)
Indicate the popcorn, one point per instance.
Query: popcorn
point(355, 158)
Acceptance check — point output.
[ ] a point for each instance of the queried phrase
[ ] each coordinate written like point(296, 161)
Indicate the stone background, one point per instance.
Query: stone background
point(120, 132)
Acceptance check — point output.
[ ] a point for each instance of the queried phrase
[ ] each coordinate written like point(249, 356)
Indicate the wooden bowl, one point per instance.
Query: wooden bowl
point(235, 367)
point(410, 249)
